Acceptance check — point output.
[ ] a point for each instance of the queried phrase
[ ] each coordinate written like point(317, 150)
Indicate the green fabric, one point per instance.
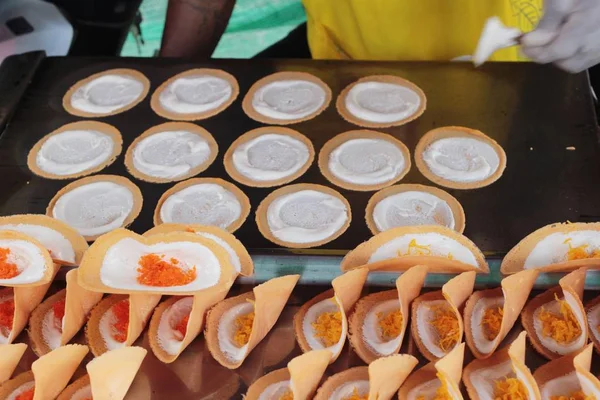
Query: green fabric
point(254, 25)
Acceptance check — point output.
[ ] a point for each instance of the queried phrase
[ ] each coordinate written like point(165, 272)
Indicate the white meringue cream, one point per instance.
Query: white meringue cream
point(227, 328)
point(347, 389)
point(107, 93)
point(58, 245)
point(312, 314)
point(553, 248)
point(288, 99)
point(105, 327)
point(193, 94)
point(27, 257)
point(372, 332)
point(382, 102)
point(275, 390)
point(168, 337)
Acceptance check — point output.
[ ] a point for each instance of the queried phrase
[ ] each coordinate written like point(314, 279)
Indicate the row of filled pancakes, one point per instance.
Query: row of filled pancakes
point(281, 98)
point(108, 377)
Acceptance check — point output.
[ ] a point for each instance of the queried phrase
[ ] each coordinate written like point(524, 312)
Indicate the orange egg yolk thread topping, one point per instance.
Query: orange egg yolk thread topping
point(563, 327)
point(441, 393)
point(58, 308)
point(491, 321)
point(356, 396)
point(328, 327)
point(181, 326)
point(7, 314)
point(154, 270)
point(7, 269)
point(243, 329)
point(509, 389)
point(445, 323)
point(578, 395)
point(288, 395)
point(121, 324)
point(579, 252)
point(390, 324)
point(26, 395)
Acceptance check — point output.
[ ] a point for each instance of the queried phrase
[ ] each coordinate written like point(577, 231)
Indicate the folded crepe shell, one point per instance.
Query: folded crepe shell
point(436, 323)
point(10, 355)
point(441, 249)
point(389, 309)
point(502, 374)
point(320, 320)
point(58, 318)
point(49, 374)
point(440, 379)
point(490, 314)
point(256, 311)
point(592, 309)
point(558, 311)
point(108, 376)
point(559, 247)
point(238, 255)
point(24, 261)
point(379, 381)
point(118, 320)
point(65, 245)
point(176, 263)
point(301, 378)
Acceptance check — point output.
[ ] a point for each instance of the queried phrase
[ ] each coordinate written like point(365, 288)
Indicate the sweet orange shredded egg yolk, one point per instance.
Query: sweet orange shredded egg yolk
point(121, 312)
point(415, 249)
point(509, 389)
point(7, 314)
point(243, 330)
point(181, 326)
point(563, 328)
point(390, 323)
point(26, 395)
point(356, 396)
point(7, 269)
point(288, 395)
point(579, 252)
point(155, 271)
point(58, 309)
point(445, 323)
point(491, 321)
point(328, 327)
point(577, 395)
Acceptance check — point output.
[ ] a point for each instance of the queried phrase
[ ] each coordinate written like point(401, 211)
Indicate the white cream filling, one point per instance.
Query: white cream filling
point(484, 379)
point(170, 154)
point(195, 94)
point(96, 208)
point(553, 248)
point(28, 258)
point(554, 307)
point(51, 333)
point(426, 389)
point(371, 330)
point(233, 257)
point(204, 204)
point(226, 331)
point(346, 390)
point(561, 386)
point(593, 316)
point(107, 93)
point(288, 99)
point(366, 161)
point(58, 245)
point(20, 390)
point(531, 393)
point(461, 159)
point(412, 208)
point(382, 102)
point(312, 314)
point(275, 390)
point(495, 36)
point(434, 244)
point(270, 157)
point(478, 331)
point(83, 393)
point(588, 387)
point(74, 151)
point(170, 339)
point(105, 326)
point(6, 335)
point(306, 216)
point(427, 333)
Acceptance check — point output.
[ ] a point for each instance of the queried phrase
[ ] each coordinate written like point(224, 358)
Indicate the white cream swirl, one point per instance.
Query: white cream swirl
point(288, 99)
point(107, 93)
point(195, 94)
point(382, 102)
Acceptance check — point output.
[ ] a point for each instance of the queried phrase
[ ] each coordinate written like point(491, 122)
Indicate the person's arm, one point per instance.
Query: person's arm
point(193, 27)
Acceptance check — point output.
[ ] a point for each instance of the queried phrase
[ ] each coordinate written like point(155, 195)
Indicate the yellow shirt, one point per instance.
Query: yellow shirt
point(410, 29)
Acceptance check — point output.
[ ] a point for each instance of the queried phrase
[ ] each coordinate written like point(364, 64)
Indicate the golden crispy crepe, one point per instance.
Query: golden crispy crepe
point(109, 376)
point(301, 378)
point(118, 320)
point(436, 322)
point(238, 255)
point(321, 323)
point(441, 378)
point(502, 374)
point(400, 248)
point(559, 247)
point(555, 320)
point(31, 264)
point(592, 310)
point(49, 374)
point(379, 321)
point(10, 355)
point(379, 381)
point(490, 314)
point(106, 266)
point(236, 325)
point(58, 319)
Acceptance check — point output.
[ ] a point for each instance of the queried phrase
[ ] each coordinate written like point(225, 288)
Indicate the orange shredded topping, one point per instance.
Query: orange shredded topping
point(328, 327)
point(121, 325)
point(7, 314)
point(356, 396)
point(563, 328)
point(577, 395)
point(579, 252)
point(182, 325)
point(288, 395)
point(7, 269)
point(190, 230)
point(390, 324)
point(445, 323)
point(415, 249)
point(155, 271)
point(509, 389)
point(491, 321)
point(243, 325)
point(59, 312)
point(26, 395)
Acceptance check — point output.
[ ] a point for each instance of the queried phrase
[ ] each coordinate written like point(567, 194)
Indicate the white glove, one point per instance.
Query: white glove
point(568, 35)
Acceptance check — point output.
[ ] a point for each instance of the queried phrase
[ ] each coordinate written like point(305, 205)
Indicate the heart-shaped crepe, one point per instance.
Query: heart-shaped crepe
point(118, 320)
point(236, 325)
point(58, 319)
point(592, 309)
point(300, 379)
point(555, 320)
point(436, 323)
point(504, 375)
point(490, 314)
point(379, 320)
point(441, 249)
point(321, 323)
point(24, 261)
point(49, 374)
point(436, 380)
point(10, 355)
point(175, 263)
point(238, 255)
point(379, 381)
point(108, 376)
point(557, 247)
